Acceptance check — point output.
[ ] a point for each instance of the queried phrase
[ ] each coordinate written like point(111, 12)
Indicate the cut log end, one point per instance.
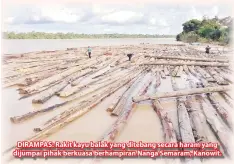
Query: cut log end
point(14, 119)
point(37, 129)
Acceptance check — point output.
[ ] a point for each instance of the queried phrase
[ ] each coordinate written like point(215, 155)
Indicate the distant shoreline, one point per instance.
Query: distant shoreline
point(43, 35)
point(88, 38)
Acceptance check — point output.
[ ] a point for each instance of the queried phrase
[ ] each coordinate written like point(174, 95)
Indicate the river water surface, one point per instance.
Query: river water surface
point(28, 45)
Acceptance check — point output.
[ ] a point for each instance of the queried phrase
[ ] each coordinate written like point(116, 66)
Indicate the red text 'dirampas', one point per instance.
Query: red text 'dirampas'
point(35, 144)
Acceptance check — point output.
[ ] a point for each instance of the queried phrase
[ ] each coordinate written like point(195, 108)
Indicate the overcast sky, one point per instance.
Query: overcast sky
point(148, 18)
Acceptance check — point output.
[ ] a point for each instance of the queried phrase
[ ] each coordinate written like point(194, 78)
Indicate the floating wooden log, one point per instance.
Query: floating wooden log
point(186, 69)
point(183, 93)
point(163, 76)
point(120, 106)
point(227, 99)
point(72, 110)
point(117, 99)
point(158, 80)
point(29, 115)
point(197, 123)
point(193, 72)
point(205, 74)
point(221, 111)
point(220, 131)
point(118, 126)
point(180, 71)
point(216, 76)
point(175, 71)
point(195, 113)
point(100, 67)
point(54, 78)
point(166, 71)
point(77, 88)
point(168, 129)
point(44, 96)
point(184, 123)
point(70, 116)
point(189, 58)
point(212, 64)
point(227, 78)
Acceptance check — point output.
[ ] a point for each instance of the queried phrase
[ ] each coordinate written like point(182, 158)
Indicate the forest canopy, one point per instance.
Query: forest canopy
point(206, 30)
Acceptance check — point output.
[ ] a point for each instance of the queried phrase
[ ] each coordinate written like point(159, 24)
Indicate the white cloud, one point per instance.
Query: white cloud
point(194, 13)
point(215, 10)
point(101, 10)
point(122, 17)
point(9, 20)
point(60, 14)
point(153, 19)
point(162, 22)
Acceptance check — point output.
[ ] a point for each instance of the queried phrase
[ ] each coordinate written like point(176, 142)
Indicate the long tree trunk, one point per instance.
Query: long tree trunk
point(183, 93)
point(189, 58)
point(175, 71)
point(212, 64)
point(220, 131)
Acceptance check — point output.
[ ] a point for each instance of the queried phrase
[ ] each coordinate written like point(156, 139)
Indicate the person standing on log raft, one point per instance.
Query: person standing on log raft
point(208, 49)
point(129, 56)
point(89, 51)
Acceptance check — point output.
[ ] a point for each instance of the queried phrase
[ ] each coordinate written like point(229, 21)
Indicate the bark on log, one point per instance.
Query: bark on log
point(70, 115)
point(180, 71)
point(212, 64)
point(186, 70)
point(221, 111)
point(227, 99)
point(118, 126)
point(205, 74)
point(217, 76)
point(183, 93)
point(46, 95)
point(220, 131)
point(195, 113)
point(184, 123)
point(158, 80)
point(197, 121)
point(57, 77)
point(175, 71)
point(116, 100)
point(193, 72)
point(189, 58)
point(166, 71)
point(185, 128)
point(78, 88)
point(168, 129)
point(163, 76)
point(125, 98)
point(29, 115)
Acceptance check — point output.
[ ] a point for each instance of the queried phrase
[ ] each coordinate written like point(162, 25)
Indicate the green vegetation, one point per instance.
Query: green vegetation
point(207, 30)
point(43, 35)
